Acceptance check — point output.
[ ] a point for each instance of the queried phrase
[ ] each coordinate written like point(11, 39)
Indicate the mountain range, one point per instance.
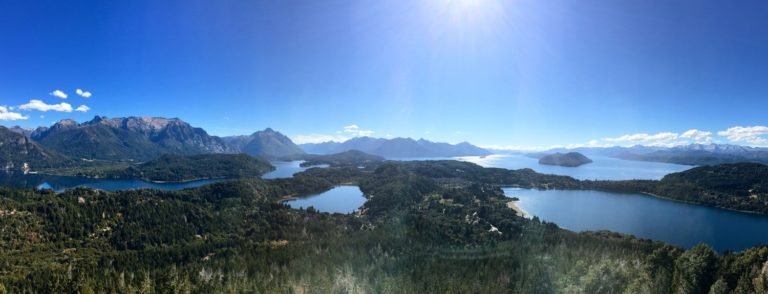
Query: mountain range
point(130, 138)
point(140, 139)
point(397, 147)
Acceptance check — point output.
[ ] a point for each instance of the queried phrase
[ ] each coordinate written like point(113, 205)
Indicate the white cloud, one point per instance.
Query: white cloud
point(84, 94)
point(751, 135)
point(345, 134)
point(6, 114)
point(317, 138)
point(42, 106)
point(513, 147)
point(83, 108)
point(643, 137)
point(58, 93)
point(356, 131)
point(697, 135)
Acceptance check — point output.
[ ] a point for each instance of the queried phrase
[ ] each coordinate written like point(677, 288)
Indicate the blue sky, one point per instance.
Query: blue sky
point(506, 73)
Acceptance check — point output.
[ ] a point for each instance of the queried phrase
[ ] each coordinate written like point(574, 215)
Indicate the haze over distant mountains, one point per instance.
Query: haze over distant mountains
point(397, 147)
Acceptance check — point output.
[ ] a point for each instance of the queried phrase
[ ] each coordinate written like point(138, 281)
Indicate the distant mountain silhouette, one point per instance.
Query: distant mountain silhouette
point(397, 147)
point(266, 144)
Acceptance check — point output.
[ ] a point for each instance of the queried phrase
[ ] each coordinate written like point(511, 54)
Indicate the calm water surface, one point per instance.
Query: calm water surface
point(645, 216)
point(342, 199)
point(286, 169)
point(602, 168)
point(61, 183)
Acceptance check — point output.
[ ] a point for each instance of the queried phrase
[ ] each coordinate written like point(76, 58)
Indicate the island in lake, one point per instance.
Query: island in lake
point(570, 159)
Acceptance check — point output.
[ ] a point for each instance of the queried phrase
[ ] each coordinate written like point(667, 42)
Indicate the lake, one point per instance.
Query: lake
point(602, 168)
point(645, 216)
point(61, 183)
point(283, 169)
point(286, 169)
point(341, 199)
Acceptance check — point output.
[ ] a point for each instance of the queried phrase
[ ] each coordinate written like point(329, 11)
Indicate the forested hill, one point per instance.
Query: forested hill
point(738, 186)
point(177, 168)
point(351, 157)
point(448, 230)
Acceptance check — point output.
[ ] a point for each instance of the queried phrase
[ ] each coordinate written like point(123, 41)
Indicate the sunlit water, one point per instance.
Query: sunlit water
point(645, 216)
point(342, 199)
point(602, 168)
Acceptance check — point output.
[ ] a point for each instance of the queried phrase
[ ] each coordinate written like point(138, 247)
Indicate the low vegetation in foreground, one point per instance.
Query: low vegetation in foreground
point(427, 227)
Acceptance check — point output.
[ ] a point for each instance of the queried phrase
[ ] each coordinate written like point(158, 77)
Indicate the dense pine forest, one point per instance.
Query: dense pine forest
point(440, 226)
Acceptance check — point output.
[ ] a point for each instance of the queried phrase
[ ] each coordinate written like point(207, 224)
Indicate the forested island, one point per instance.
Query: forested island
point(177, 168)
point(429, 226)
point(570, 159)
point(351, 157)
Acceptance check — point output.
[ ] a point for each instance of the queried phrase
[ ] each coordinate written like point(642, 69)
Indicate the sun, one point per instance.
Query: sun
point(466, 16)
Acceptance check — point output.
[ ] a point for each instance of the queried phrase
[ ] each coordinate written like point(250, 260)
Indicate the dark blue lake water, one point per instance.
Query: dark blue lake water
point(60, 183)
point(286, 169)
point(341, 199)
point(645, 216)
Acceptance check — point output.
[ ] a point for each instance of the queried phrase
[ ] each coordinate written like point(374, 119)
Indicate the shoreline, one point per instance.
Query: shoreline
point(700, 204)
point(289, 197)
point(519, 211)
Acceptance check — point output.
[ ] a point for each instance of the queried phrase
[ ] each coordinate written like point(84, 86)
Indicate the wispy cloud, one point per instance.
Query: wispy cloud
point(83, 93)
point(7, 114)
point(751, 135)
point(346, 133)
point(42, 106)
point(82, 108)
point(643, 137)
point(317, 138)
point(513, 147)
point(356, 131)
point(58, 93)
